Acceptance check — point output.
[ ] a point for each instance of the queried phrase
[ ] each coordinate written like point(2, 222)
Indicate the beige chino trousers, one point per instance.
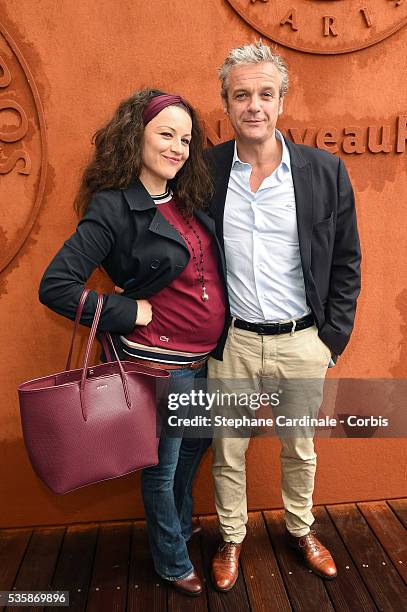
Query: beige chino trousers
point(262, 363)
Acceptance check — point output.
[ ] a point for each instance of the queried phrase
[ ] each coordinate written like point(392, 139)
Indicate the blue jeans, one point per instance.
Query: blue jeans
point(167, 490)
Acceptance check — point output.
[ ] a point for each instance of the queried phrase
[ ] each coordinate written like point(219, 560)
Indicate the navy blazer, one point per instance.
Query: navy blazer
point(327, 230)
point(124, 232)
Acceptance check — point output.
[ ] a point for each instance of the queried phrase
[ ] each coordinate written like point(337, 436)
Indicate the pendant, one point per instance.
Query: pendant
point(204, 295)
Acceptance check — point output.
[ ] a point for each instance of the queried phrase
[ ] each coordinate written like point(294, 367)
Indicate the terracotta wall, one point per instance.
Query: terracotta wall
point(76, 60)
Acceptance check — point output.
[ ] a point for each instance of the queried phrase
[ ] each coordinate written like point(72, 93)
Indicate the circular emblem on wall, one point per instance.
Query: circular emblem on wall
point(22, 150)
point(324, 26)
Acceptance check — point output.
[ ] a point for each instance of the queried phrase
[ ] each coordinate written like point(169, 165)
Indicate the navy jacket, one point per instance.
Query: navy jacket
point(328, 236)
point(124, 232)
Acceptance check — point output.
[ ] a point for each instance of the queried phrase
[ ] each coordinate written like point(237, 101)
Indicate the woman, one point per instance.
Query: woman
point(151, 236)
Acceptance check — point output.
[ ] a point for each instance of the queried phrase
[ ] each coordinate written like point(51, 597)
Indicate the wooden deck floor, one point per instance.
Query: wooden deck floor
point(106, 567)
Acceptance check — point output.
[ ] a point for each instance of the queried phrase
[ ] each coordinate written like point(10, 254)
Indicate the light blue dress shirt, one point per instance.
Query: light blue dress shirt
point(264, 273)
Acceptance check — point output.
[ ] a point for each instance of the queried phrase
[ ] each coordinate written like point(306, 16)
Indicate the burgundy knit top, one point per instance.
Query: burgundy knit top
point(182, 321)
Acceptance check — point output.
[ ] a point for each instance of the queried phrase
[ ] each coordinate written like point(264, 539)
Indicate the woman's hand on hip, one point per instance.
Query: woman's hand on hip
point(144, 312)
point(144, 309)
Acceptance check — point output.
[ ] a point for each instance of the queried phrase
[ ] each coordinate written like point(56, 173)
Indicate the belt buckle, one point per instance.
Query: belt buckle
point(195, 365)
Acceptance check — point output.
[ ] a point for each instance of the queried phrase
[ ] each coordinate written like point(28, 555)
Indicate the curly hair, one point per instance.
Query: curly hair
point(117, 158)
point(254, 53)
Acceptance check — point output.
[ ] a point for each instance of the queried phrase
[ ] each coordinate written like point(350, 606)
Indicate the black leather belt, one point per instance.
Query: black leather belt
point(271, 329)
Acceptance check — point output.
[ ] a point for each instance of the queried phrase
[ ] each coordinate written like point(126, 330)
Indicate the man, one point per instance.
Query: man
point(285, 216)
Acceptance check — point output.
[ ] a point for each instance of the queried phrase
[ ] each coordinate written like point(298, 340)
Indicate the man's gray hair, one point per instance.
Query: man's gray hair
point(255, 53)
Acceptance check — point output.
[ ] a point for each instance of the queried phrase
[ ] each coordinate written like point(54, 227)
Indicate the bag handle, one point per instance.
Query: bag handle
point(105, 346)
point(103, 340)
point(79, 310)
point(89, 345)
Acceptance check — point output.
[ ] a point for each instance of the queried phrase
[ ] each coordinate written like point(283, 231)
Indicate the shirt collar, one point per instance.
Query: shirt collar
point(285, 158)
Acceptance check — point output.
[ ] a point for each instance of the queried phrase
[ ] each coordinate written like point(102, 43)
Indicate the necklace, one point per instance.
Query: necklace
point(199, 265)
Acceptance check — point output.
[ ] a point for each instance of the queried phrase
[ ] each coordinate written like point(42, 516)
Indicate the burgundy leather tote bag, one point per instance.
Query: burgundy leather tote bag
point(94, 423)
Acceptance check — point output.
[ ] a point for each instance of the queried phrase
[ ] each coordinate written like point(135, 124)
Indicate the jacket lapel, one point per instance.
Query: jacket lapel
point(209, 223)
point(137, 196)
point(220, 161)
point(139, 199)
point(206, 221)
point(303, 188)
point(159, 225)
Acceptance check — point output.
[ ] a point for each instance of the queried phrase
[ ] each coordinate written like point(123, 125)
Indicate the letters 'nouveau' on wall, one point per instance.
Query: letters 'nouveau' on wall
point(350, 139)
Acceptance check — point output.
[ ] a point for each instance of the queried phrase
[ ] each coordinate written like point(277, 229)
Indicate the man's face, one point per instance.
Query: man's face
point(253, 102)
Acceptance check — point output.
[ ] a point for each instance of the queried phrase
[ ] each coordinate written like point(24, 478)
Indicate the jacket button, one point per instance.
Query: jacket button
point(155, 264)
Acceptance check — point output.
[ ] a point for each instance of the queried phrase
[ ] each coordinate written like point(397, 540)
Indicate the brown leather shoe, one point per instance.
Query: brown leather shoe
point(316, 556)
point(225, 565)
point(191, 585)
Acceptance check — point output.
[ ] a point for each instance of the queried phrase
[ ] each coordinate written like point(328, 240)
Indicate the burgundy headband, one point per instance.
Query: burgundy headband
point(158, 103)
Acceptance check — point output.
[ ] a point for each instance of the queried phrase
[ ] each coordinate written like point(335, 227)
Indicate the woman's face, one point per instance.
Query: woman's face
point(165, 147)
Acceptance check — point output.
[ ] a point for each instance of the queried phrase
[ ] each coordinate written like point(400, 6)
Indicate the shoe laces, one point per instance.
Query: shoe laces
point(227, 550)
point(309, 540)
